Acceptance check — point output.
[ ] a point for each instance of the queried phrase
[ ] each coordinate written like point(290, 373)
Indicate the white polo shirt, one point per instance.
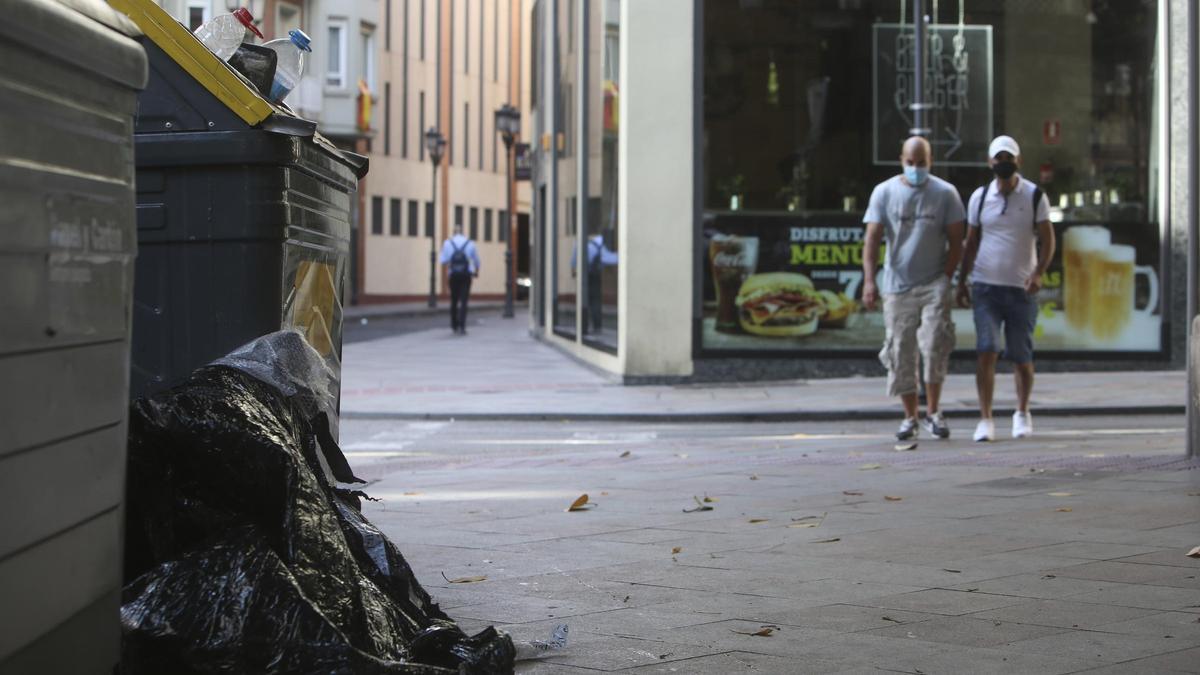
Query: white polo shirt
point(1008, 248)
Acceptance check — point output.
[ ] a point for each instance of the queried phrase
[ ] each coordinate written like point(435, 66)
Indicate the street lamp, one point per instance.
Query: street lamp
point(435, 143)
point(508, 123)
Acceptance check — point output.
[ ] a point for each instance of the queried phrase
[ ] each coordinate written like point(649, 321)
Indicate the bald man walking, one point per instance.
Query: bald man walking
point(921, 217)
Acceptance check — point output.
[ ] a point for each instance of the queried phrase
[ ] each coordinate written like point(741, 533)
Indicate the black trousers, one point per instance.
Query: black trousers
point(595, 303)
point(460, 290)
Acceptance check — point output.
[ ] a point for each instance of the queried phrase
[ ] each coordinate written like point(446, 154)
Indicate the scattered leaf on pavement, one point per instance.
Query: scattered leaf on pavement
point(464, 580)
point(762, 632)
point(700, 506)
point(681, 455)
point(1062, 494)
point(888, 618)
point(709, 500)
point(626, 453)
point(890, 498)
point(827, 541)
point(411, 494)
point(1194, 494)
point(868, 467)
point(852, 493)
point(753, 476)
point(947, 569)
point(758, 520)
point(1194, 553)
point(579, 504)
point(904, 447)
point(1065, 509)
point(603, 494)
point(675, 550)
point(809, 521)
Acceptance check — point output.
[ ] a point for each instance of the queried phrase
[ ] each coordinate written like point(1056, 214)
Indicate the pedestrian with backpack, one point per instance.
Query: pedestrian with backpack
point(1010, 242)
point(462, 261)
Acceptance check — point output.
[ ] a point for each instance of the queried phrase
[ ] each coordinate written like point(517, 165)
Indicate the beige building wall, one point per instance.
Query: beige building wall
point(477, 76)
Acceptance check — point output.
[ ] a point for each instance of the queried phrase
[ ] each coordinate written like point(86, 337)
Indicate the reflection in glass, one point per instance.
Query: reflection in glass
point(566, 220)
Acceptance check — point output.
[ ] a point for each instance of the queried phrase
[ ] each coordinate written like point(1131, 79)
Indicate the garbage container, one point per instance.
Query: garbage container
point(69, 72)
point(243, 213)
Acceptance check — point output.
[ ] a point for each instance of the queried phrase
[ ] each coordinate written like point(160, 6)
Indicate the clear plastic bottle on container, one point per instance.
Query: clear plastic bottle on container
point(223, 34)
point(291, 52)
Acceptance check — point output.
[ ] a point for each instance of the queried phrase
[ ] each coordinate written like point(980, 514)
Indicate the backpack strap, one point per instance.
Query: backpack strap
point(1037, 199)
point(979, 207)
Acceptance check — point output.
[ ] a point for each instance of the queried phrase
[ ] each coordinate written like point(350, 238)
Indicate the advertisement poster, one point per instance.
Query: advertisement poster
point(789, 282)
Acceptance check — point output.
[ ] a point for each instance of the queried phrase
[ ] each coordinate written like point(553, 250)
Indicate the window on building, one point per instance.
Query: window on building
point(376, 215)
point(467, 38)
point(502, 225)
point(420, 126)
point(487, 224)
point(197, 13)
point(368, 55)
point(335, 62)
point(387, 118)
point(413, 210)
point(404, 93)
point(496, 41)
point(474, 222)
point(424, 29)
point(387, 25)
point(466, 135)
point(429, 219)
point(458, 216)
point(395, 214)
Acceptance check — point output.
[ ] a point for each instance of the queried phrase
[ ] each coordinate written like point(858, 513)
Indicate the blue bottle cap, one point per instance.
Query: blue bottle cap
point(300, 39)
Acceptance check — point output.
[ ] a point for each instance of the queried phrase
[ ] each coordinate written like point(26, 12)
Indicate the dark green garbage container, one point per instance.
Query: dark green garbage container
point(69, 72)
point(243, 226)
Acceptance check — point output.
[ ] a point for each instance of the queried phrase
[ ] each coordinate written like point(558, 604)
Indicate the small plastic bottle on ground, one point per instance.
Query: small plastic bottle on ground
point(291, 51)
point(223, 34)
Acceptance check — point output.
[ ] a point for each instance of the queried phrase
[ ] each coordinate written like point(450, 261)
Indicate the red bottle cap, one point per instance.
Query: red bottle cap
point(247, 20)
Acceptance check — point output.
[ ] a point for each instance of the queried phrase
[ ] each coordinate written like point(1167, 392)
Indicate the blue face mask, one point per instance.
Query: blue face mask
point(915, 175)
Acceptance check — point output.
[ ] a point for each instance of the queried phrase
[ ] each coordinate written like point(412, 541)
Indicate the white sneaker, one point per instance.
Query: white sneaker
point(985, 431)
point(908, 429)
point(1022, 425)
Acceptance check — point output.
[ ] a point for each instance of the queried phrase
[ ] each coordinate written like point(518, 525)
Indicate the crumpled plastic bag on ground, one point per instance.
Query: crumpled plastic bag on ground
point(226, 451)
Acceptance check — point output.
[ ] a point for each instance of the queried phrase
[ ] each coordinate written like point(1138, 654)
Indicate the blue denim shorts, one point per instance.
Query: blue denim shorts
point(1008, 308)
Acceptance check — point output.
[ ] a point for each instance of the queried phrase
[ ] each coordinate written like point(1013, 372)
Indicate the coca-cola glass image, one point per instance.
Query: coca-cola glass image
point(732, 258)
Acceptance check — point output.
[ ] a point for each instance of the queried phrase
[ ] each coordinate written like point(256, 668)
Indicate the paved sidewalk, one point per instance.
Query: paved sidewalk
point(401, 309)
point(499, 371)
point(824, 551)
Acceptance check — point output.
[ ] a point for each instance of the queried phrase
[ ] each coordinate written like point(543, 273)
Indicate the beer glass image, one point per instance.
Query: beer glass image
point(1111, 302)
point(732, 258)
point(1080, 245)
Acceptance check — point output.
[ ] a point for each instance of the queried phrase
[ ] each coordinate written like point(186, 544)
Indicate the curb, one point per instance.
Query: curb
point(720, 417)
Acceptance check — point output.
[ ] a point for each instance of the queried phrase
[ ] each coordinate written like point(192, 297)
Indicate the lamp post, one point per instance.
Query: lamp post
point(435, 143)
point(508, 124)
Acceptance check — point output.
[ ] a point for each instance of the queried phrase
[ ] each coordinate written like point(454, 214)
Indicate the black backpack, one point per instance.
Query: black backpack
point(458, 260)
point(1037, 199)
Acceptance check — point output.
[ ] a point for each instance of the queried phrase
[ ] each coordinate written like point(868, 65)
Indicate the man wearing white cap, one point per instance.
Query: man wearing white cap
point(1009, 245)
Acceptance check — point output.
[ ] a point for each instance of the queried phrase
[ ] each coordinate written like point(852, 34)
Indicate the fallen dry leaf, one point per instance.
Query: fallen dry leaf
point(681, 455)
point(758, 520)
point(753, 476)
point(892, 499)
point(1061, 494)
point(762, 632)
point(888, 618)
point(947, 569)
point(603, 494)
point(700, 506)
point(709, 500)
point(852, 493)
point(869, 467)
point(1065, 509)
point(1194, 553)
point(580, 504)
point(675, 550)
point(411, 494)
point(625, 454)
point(827, 541)
point(1194, 494)
point(464, 580)
point(809, 521)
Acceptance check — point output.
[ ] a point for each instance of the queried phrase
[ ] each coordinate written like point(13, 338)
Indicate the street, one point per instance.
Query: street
point(775, 547)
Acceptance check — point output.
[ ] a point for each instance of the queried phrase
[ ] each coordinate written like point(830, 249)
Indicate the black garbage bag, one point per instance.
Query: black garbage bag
point(253, 619)
point(247, 443)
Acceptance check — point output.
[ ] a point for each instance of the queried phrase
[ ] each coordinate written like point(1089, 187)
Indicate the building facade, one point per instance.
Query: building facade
point(685, 149)
point(444, 64)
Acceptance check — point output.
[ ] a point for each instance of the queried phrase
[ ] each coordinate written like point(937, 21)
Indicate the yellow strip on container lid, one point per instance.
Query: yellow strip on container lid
point(196, 59)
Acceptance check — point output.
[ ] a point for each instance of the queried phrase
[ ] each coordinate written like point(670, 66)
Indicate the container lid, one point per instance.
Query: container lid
point(300, 39)
point(247, 20)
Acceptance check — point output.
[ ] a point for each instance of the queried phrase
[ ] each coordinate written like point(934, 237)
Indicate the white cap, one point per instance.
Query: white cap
point(1004, 144)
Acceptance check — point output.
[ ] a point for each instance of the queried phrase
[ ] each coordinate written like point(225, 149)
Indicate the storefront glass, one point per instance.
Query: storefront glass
point(602, 248)
point(566, 301)
point(806, 105)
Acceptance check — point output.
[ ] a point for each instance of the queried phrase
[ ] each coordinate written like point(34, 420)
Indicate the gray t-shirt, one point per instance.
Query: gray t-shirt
point(914, 223)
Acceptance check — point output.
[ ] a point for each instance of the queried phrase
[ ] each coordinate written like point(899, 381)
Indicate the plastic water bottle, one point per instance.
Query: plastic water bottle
point(291, 52)
point(224, 33)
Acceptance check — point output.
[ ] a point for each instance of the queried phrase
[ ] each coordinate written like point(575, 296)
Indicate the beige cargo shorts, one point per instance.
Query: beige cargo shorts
point(918, 327)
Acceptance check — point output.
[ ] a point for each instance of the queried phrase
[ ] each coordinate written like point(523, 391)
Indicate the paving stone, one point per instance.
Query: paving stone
point(742, 662)
point(1100, 646)
point(845, 618)
point(1146, 597)
point(1178, 624)
point(942, 601)
point(1182, 661)
point(1094, 551)
point(1034, 586)
point(619, 653)
point(1174, 557)
point(1133, 573)
point(966, 631)
point(1062, 613)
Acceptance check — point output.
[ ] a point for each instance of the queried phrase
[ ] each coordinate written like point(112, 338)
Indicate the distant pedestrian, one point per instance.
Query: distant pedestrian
point(1010, 242)
point(462, 260)
point(921, 217)
point(599, 256)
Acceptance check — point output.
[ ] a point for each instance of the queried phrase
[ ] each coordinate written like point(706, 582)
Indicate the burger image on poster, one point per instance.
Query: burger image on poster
point(779, 304)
